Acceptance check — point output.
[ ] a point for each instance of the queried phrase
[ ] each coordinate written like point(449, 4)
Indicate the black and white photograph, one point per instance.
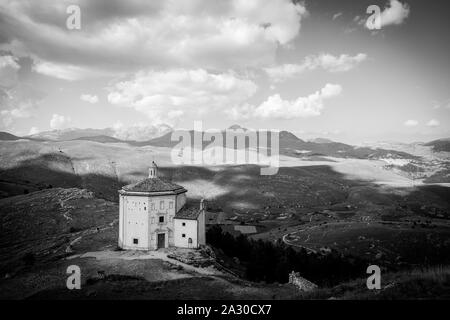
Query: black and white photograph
point(235, 151)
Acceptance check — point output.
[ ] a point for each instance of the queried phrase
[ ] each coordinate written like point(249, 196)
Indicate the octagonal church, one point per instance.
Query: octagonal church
point(153, 214)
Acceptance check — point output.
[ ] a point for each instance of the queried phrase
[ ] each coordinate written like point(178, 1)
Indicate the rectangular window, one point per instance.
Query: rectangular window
point(135, 241)
point(184, 224)
point(161, 219)
point(145, 208)
point(183, 235)
point(161, 205)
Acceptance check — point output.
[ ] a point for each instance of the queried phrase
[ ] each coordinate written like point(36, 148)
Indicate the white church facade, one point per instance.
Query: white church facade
point(153, 214)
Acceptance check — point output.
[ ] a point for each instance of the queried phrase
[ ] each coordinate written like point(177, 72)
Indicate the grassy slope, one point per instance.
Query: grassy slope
point(39, 226)
point(432, 283)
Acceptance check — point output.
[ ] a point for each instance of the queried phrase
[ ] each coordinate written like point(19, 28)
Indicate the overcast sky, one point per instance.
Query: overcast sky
point(312, 67)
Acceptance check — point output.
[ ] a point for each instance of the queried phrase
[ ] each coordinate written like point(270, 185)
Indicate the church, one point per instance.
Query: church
point(153, 214)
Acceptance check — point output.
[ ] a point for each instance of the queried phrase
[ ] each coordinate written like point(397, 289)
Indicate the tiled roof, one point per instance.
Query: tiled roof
point(153, 185)
point(190, 213)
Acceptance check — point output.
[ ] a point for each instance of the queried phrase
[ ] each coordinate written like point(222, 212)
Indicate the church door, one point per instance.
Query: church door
point(161, 240)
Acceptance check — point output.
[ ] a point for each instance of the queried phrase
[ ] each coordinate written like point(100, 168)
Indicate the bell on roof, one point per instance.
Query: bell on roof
point(153, 171)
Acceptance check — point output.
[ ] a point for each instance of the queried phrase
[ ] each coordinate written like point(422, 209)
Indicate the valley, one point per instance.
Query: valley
point(59, 200)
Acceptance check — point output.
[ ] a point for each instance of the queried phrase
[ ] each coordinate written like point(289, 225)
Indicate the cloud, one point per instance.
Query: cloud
point(411, 123)
point(8, 71)
point(444, 104)
point(10, 115)
point(67, 71)
point(328, 62)
point(171, 94)
point(276, 107)
point(211, 34)
point(59, 122)
point(394, 14)
point(89, 98)
point(433, 123)
point(337, 15)
point(33, 130)
point(18, 99)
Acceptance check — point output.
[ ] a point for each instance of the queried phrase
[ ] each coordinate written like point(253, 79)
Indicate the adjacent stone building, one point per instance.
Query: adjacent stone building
point(153, 214)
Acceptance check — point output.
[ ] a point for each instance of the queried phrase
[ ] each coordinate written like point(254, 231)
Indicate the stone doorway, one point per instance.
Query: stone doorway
point(161, 240)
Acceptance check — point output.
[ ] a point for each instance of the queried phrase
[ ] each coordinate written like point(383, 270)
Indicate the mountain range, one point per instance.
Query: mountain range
point(290, 144)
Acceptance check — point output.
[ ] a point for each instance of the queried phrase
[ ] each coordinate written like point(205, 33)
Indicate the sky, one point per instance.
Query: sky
point(315, 68)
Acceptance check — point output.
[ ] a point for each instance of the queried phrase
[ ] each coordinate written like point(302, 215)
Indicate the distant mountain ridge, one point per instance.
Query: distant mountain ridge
point(136, 133)
point(101, 139)
point(439, 145)
point(71, 134)
point(290, 144)
point(321, 140)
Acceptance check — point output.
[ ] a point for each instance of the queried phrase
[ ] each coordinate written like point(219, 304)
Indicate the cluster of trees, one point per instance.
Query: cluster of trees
point(272, 262)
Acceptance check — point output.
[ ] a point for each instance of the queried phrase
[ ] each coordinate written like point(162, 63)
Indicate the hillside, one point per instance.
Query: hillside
point(100, 139)
point(291, 145)
point(60, 200)
point(440, 145)
point(428, 283)
point(321, 140)
point(137, 133)
point(5, 136)
point(71, 134)
point(40, 226)
point(46, 231)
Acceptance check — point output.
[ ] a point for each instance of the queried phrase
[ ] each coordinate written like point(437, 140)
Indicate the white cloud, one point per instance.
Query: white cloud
point(33, 130)
point(66, 71)
point(211, 34)
point(394, 14)
point(17, 98)
point(433, 123)
point(174, 93)
point(411, 123)
point(339, 64)
point(337, 15)
point(276, 107)
point(89, 98)
point(22, 111)
point(331, 63)
point(444, 104)
point(59, 122)
point(8, 71)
